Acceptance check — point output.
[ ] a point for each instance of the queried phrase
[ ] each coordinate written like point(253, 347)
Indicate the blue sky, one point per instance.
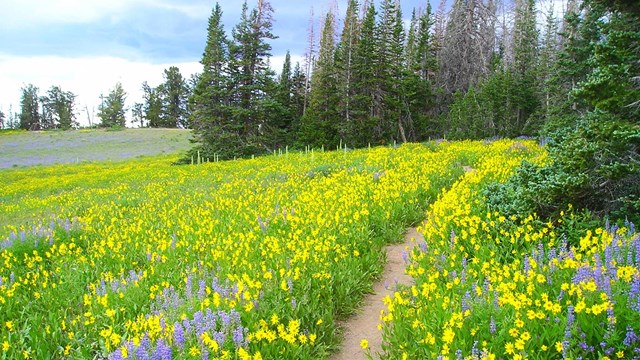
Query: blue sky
point(86, 46)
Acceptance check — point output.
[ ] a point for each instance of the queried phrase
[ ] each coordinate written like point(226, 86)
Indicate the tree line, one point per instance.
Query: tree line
point(162, 106)
point(480, 69)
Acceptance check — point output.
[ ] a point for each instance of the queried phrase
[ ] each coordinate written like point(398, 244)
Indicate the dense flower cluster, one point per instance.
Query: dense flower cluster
point(491, 287)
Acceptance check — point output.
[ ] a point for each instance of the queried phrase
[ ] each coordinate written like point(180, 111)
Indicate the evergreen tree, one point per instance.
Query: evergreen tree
point(366, 100)
point(319, 125)
point(137, 114)
point(30, 114)
point(284, 132)
point(253, 108)
point(389, 73)
point(209, 101)
point(59, 109)
point(344, 56)
point(174, 95)
point(112, 108)
point(153, 107)
point(548, 58)
point(525, 92)
point(418, 80)
point(298, 96)
point(2, 119)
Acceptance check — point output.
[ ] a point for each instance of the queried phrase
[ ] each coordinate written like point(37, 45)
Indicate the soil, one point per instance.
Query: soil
point(364, 325)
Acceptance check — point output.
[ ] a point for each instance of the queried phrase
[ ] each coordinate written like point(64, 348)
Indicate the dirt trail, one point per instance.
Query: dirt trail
point(364, 325)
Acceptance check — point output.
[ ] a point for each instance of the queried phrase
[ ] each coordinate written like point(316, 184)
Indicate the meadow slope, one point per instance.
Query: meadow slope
point(262, 258)
point(22, 148)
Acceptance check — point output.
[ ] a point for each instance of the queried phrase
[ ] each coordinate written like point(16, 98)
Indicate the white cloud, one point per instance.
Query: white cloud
point(23, 13)
point(30, 13)
point(86, 77)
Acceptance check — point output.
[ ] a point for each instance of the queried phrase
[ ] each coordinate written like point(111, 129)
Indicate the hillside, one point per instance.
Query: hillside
point(50, 147)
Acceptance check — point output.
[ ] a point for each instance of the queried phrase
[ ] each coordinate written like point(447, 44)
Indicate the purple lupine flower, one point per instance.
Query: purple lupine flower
point(219, 337)
point(475, 353)
point(571, 316)
point(459, 355)
point(290, 284)
point(225, 318)
point(630, 337)
point(423, 246)
point(238, 336)
point(405, 257)
point(492, 326)
point(466, 301)
point(205, 353)
point(187, 326)
point(162, 351)
point(294, 303)
point(198, 323)
point(188, 287)
point(142, 352)
point(202, 287)
point(116, 355)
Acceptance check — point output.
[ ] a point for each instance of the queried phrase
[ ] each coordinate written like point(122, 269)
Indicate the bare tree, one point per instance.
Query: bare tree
point(469, 42)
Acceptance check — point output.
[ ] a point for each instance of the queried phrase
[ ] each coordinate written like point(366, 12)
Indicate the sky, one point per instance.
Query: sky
point(87, 46)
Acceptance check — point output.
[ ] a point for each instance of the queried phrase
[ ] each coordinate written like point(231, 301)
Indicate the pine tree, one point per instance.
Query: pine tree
point(319, 125)
point(174, 95)
point(525, 93)
point(2, 120)
point(283, 131)
point(59, 108)
point(548, 57)
point(213, 133)
point(137, 114)
point(252, 78)
point(418, 80)
point(467, 46)
point(344, 56)
point(112, 108)
point(299, 94)
point(30, 103)
point(153, 107)
point(366, 86)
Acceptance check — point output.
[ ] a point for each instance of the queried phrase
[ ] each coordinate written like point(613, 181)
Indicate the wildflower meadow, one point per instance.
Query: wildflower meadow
point(260, 258)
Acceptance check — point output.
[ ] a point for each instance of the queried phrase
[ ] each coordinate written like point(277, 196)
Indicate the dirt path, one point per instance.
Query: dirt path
point(364, 325)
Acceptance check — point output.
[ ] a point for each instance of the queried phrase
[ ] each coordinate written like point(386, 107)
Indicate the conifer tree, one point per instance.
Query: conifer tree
point(252, 106)
point(152, 105)
point(366, 95)
point(59, 108)
point(319, 125)
point(174, 94)
point(525, 92)
point(209, 103)
point(344, 57)
point(418, 80)
point(112, 108)
point(30, 104)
